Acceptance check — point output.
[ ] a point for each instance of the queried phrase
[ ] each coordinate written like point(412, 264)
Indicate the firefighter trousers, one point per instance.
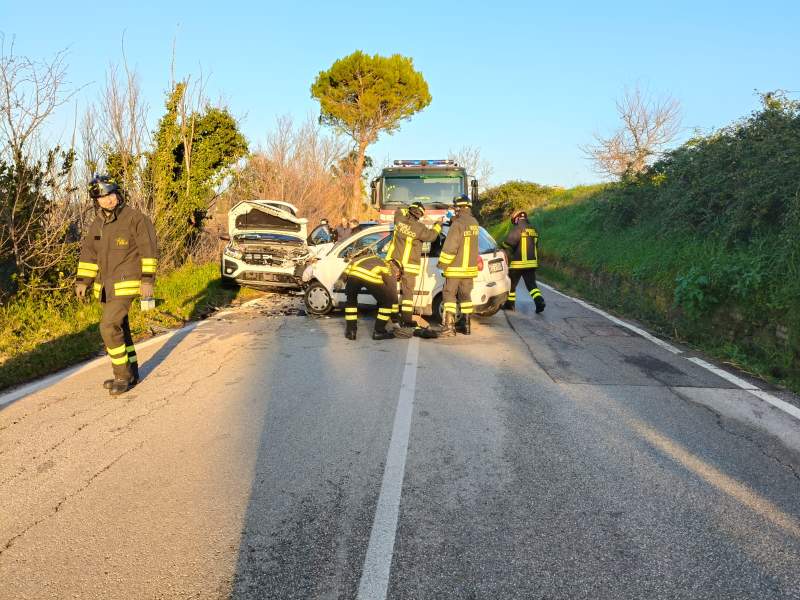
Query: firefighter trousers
point(457, 288)
point(529, 275)
point(384, 293)
point(408, 288)
point(116, 332)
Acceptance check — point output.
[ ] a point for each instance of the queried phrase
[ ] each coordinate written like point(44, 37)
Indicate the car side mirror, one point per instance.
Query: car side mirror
point(225, 236)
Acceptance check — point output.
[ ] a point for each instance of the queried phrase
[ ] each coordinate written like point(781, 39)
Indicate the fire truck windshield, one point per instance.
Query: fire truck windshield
point(436, 192)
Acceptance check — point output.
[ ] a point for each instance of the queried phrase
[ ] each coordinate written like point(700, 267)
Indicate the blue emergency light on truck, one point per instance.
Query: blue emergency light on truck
point(433, 182)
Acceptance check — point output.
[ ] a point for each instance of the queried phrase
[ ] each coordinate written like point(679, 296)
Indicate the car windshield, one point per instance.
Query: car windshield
point(435, 192)
point(377, 241)
point(266, 237)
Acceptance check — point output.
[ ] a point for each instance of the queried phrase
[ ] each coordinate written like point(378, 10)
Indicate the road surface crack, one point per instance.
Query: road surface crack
point(528, 346)
point(58, 506)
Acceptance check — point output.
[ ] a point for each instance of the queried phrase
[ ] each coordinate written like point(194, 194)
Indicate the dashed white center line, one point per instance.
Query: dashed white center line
point(375, 576)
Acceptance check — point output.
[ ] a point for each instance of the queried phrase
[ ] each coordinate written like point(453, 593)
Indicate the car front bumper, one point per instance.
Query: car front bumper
point(256, 276)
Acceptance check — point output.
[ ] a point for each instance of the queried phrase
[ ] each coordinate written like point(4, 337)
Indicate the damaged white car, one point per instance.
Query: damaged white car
point(266, 247)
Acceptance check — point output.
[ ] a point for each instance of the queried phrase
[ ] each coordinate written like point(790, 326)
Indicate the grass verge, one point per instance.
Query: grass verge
point(43, 335)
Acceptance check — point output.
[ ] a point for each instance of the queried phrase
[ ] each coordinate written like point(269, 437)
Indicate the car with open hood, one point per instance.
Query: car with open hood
point(325, 280)
point(267, 245)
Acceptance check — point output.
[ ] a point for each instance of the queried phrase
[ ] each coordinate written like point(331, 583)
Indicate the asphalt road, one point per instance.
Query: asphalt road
point(547, 456)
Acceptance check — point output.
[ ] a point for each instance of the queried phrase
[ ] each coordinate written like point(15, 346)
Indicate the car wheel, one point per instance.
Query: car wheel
point(489, 313)
point(437, 310)
point(318, 299)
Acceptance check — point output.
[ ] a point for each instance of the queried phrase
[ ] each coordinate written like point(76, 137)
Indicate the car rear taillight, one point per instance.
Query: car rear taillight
point(505, 255)
point(480, 264)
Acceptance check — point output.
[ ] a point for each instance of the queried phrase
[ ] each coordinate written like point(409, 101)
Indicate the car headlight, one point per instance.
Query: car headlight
point(233, 252)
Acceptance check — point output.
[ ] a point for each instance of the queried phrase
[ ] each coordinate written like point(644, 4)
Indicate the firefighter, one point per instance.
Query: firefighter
point(118, 261)
point(459, 260)
point(406, 248)
point(380, 278)
point(523, 244)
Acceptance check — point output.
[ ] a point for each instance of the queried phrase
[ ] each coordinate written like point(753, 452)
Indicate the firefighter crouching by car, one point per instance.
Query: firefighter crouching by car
point(380, 278)
point(118, 262)
point(523, 244)
point(459, 260)
point(406, 248)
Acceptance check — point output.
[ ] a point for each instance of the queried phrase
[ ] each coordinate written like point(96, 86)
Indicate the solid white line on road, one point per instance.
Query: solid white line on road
point(724, 374)
point(375, 577)
point(737, 381)
point(78, 369)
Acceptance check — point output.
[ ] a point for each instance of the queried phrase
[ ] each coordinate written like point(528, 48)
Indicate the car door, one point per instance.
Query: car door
point(339, 258)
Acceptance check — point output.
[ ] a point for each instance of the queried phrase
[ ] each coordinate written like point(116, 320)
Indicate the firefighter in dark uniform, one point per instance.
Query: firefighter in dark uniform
point(523, 244)
point(380, 278)
point(459, 261)
point(406, 248)
point(118, 262)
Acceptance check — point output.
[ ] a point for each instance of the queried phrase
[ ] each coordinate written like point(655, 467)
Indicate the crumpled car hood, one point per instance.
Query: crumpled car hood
point(257, 216)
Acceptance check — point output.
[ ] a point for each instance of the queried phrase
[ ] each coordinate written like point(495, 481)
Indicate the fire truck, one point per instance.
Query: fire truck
point(433, 182)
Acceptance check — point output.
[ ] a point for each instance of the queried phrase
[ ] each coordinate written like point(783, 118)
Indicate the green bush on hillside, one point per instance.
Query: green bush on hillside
point(497, 203)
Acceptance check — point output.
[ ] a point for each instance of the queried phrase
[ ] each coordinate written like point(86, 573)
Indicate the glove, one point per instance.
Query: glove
point(440, 220)
point(146, 289)
point(80, 290)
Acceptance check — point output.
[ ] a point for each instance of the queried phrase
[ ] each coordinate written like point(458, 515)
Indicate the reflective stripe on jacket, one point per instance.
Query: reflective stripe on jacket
point(407, 238)
point(119, 253)
point(369, 268)
point(523, 241)
point(459, 256)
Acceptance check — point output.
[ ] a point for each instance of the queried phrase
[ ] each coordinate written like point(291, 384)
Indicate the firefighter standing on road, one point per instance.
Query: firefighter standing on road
point(118, 260)
point(459, 260)
point(523, 242)
point(406, 248)
point(380, 278)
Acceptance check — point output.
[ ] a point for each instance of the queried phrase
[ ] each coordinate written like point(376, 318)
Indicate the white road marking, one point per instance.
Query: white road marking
point(78, 369)
point(737, 381)
point(375, 576)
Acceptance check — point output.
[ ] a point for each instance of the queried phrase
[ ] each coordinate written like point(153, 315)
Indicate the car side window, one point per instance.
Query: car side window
point(486, 243)
point(320, 235)
point(375, 240)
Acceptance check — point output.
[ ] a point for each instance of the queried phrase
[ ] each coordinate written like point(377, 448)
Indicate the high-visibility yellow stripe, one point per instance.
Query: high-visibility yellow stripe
point(147, 270)
point(119, 350)
point(512, 296)
point(411, 269)
point(383, 317)
point(519, 264)
point(395, 307)
point(437, 228)
point(536, 294)
point(130, 348)
point(466, 311)
point(133, 358)
point(466, 305)
point(465, 261)
point(446, 259)
point(386, 311)
point(408, 303)
point(149, 261)
point(351, 318)
point(119, 361)
point(468, 273)
point(407, 250)
point(88, 266)
point(86, 273)
point(350, 310)
point(127, 292)
point(449, 304)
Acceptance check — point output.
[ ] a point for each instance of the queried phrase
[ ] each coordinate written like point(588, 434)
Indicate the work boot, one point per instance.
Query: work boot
point(382, 335)
point(134, 377)
point(448, 325)
point(350, 334)
point(120, 386)
point(539, 304)
point(508, 305)
point(406, 329)
point(464, 325)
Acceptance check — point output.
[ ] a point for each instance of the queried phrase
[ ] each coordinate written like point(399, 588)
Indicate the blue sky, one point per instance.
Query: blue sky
point(524, 81)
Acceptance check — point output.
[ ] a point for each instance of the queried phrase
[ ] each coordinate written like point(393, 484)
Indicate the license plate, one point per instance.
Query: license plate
point(495, 266)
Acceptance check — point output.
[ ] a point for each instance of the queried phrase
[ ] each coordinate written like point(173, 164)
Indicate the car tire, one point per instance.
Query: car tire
point(489, 313)
point(437, 310)
point(317, 299)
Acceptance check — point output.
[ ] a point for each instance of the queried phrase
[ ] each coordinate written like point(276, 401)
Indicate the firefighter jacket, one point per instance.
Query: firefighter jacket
point(459, 256)
point(406, 244)
point(370, 268)
point(119, 252)
point(523, 242)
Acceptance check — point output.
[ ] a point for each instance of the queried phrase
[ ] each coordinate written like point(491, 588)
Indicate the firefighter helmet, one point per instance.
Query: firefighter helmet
point(102, 185)
point(517, 215)
point(462, 200)
point(416, 209)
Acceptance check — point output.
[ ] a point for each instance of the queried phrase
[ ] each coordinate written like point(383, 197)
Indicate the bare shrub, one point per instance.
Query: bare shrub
point(649, 125)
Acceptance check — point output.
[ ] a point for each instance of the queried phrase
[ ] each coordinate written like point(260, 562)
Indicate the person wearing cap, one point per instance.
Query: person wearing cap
point(406, 248)
point(118, 262)
point(459, 263)
point(522, 243)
